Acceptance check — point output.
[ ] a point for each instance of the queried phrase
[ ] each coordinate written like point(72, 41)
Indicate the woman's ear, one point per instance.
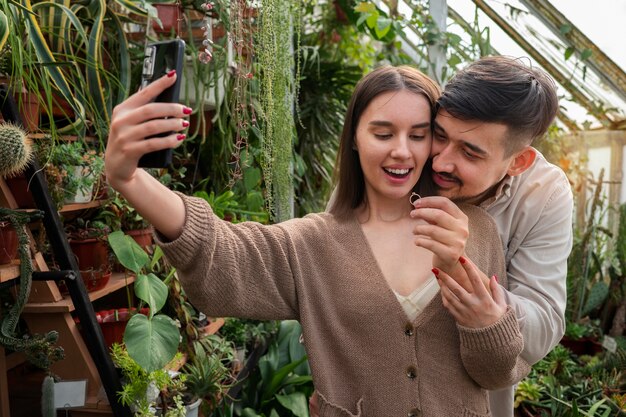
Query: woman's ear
point(522, 161)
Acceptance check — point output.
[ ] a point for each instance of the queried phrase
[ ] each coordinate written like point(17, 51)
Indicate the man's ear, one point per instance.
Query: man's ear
point(522, 161)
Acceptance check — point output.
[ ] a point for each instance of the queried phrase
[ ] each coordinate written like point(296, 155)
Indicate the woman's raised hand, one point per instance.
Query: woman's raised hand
point(136, 119)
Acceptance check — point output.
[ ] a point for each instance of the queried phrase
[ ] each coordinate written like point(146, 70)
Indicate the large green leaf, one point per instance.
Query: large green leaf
point(152, 290)
point(278, 379)
point(152, 343)
point(128, 252)
point(295, 402)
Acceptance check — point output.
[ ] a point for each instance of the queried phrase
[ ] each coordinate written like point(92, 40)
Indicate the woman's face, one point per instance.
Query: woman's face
point(393, 139)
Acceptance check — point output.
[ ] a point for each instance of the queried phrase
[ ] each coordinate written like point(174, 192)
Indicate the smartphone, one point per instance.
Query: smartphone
point(159, 59)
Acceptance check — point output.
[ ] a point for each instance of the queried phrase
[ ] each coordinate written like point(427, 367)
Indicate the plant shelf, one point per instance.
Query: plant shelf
point(117, 281)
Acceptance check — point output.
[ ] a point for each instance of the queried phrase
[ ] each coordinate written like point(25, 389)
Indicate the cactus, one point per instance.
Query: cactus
point(47, 397)
point(15, 150)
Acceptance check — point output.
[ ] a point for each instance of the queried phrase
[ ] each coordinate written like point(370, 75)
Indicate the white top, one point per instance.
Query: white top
point(414, 303)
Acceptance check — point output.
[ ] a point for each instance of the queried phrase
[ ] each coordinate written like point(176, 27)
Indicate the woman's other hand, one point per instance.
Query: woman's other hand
point(477, 308)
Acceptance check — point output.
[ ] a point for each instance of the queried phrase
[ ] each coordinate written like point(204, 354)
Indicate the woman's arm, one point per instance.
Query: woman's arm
point(134, 120)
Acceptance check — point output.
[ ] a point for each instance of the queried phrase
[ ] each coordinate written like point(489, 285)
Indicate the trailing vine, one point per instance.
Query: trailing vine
point(38, 348)
point(276, 59)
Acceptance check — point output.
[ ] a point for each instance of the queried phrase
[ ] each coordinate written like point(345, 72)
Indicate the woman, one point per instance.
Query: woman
point(344, 274)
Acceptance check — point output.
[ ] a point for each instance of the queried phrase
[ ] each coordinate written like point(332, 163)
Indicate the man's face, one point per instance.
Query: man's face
point(468, 156)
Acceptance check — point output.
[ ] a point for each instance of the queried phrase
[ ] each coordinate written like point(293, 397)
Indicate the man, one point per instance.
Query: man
point(489, 115)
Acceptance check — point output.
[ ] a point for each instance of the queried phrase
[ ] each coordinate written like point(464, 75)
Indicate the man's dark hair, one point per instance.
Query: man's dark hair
point(503, 90)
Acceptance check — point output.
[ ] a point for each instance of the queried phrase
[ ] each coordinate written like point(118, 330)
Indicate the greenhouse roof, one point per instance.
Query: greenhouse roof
point(591, 82)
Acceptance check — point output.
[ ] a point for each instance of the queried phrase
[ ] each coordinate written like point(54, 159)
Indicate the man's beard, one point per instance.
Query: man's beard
point(471, 199)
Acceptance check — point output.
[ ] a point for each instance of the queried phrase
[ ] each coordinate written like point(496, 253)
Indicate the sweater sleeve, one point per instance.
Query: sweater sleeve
point(491, 355)
point(232, 270)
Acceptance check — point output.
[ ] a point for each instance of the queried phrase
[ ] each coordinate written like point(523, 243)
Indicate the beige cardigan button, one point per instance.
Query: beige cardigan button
point(408, 330)
point(411, 372)
point(415, 413)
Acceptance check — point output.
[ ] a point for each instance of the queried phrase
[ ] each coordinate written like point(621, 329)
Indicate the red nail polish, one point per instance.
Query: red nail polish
point(185, 123)
point(435, 271)
point(462, 260)
point(187, 110)
point(181, 137)
point(496, 277)
point(171, 73)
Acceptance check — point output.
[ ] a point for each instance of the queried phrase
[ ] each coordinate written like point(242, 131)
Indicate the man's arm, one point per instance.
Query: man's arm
point(536, 273)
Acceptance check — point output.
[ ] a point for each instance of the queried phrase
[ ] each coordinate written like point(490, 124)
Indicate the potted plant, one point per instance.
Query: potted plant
point(72, 170)
point(120, 215)
point(207, 376)
point(88, 241)
point(150, 341)
point(148, 392)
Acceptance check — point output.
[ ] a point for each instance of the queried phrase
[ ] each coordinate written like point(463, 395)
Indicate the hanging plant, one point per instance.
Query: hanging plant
point(39, 349)
point(278, 22)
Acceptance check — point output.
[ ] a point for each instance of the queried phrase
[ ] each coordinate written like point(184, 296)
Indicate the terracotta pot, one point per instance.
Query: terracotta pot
point(582, 346)
point(29, 110)
point(113, 323)
point(143, 237)
point(96, 280)
point(170, 15)
point(92, 254)
point(19, 188)
point(8, 243)
point(93, 280)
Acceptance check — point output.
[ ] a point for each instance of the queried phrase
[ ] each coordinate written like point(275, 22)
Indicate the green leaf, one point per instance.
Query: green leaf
point(595, 407)
point(569, 52)
point(152, 343)
point(362, 19)
point(4, 29)
point(278, 379)
point(295, 402)
point(152, 290)
point(251, 178)
point(45, 56)
point(383, 25)
point(94, 62)
point(371, 19)
point(365, 7)
point(586, 54)
point(596, 297)
point(249, 412)
point(565, 29)
point(128, 252)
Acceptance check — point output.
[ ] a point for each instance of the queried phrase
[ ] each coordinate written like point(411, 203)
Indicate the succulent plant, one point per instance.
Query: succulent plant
point(15, 149)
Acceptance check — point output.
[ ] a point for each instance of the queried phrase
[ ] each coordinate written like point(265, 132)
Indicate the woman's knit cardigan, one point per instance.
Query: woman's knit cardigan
point(367, 359)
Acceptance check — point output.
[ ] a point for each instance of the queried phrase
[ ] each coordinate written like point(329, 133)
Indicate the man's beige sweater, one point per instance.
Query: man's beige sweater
point(367, 359)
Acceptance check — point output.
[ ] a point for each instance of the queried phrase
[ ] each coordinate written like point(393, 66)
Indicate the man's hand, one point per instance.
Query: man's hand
point(476, 308)
point(444, 231)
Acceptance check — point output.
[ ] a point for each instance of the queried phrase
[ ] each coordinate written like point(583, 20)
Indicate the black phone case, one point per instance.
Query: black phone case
point(160, 58)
